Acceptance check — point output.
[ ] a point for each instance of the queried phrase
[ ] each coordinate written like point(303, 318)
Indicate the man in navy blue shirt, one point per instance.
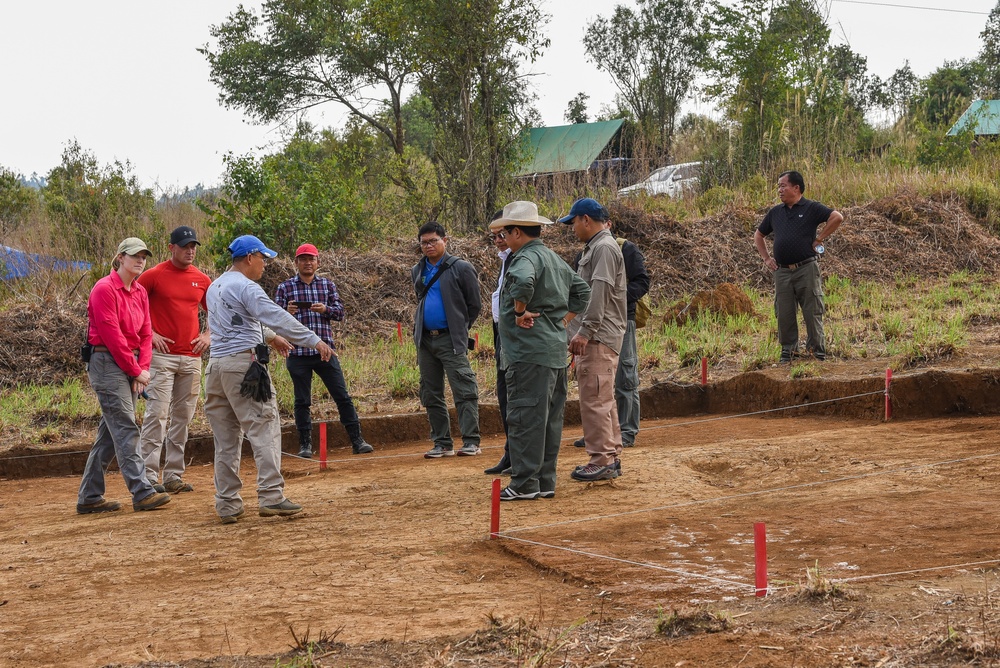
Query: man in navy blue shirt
point(797, 281)
point(447, 290)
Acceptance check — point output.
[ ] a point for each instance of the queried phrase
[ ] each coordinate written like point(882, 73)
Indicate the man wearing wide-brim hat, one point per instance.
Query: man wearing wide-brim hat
point(540, 295)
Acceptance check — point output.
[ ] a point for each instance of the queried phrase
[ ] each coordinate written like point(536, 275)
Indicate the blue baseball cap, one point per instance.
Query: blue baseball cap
point(586, 207)
point(247, 244)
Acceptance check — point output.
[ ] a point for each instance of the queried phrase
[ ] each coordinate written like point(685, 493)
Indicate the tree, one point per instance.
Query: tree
point(472, 52)
point(302, 53)
point(16, 200)
point(989, 55)
point(946, 93)
point(576, 110)
point(652, 54)
point(901, 88)
point(308, 191)
point(93, 208)
point(788, 94)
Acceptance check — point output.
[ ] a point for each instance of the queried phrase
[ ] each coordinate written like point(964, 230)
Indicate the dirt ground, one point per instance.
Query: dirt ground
point(390, 563)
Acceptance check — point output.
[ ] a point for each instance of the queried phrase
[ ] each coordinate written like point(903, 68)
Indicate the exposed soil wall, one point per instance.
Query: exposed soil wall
point(918, 395)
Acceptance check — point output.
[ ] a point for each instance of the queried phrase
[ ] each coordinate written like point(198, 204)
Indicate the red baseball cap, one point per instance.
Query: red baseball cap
point(307, 249)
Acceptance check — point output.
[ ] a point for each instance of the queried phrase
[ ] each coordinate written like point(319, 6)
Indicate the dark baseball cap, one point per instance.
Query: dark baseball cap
point(586, 207)
point(184, 235)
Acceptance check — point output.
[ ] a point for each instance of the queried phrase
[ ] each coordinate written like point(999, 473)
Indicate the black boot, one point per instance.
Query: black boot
point(305, 444)
point(360, 446)
point(502, 466)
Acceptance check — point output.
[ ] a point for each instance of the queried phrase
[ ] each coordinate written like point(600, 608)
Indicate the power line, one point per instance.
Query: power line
point(930, 9)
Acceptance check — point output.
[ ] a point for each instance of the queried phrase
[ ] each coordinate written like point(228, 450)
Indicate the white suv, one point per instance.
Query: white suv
point(672, 180)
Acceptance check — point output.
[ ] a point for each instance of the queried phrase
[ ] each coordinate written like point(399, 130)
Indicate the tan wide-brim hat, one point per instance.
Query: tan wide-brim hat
point(519, 213)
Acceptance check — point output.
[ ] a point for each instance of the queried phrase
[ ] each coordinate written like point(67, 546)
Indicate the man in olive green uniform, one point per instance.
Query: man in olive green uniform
point(540, 295)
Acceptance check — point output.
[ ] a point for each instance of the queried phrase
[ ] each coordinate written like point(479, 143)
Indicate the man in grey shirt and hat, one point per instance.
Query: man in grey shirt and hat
point(238, 311)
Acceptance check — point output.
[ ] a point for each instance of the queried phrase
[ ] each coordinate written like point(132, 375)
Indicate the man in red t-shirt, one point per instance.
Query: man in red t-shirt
point(176, 288)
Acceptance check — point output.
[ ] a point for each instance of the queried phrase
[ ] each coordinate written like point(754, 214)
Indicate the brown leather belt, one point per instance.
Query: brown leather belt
point(798, 264)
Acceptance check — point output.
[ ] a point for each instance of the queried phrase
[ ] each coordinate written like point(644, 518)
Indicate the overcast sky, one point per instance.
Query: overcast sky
point(123, 77)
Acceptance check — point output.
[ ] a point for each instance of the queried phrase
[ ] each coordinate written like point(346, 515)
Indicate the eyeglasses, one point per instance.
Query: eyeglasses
point(263, 257)
point(498, 235)
point(429, 243)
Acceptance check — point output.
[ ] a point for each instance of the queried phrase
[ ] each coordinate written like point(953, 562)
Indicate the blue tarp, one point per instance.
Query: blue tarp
point(16, 263)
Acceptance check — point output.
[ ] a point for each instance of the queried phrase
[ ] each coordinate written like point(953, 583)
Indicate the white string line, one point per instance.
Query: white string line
point(739, 415)
point(917, 570)
point(629, 561)
point(761, 492)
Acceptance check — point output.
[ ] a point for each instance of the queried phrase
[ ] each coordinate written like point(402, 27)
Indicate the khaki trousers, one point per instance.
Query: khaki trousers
point(174, 386)
point(595, 374)
point(231, 416)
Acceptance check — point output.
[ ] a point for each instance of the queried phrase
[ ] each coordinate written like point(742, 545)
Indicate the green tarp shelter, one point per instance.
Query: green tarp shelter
point(567, 148)
point(982, 116)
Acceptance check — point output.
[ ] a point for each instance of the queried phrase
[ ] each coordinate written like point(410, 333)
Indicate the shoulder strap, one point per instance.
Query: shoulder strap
point(424, 289)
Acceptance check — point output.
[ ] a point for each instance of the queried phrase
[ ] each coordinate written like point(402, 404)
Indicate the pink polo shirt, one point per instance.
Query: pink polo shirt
point(119, 320)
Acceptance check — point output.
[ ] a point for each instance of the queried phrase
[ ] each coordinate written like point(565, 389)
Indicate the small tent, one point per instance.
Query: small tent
point(567, 148)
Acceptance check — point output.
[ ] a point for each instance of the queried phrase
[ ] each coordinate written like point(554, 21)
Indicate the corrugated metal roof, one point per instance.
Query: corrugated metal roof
point(567, 148)
point(982, 115)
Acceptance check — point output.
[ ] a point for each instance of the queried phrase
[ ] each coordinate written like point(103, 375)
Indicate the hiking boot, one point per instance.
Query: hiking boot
point(439, 451)
point(231, 519)
point(176, 486)
point(786, 358)
point(152, 501)
point(502, 465)
point(549, 494)
point(305, 444)
point(283, 509)
point(579, 443)
point(508, 494)
point(626, 444)
point(469, 450)
point(157, 487)
point(361, 447)
point(618, 468)
point(591, 472)
point(102, 506)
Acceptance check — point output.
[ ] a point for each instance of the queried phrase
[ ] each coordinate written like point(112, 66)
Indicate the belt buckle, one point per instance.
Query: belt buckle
point(434, 332)
point(795, 266)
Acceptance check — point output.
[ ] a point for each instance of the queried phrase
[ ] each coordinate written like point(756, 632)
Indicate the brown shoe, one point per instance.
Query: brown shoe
point(102, 506)
point(231, 519)
point(176, 486)
point(153, 501)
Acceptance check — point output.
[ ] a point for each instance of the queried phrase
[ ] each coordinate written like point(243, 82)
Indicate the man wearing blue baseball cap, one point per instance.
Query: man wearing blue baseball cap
point(238, 312)
point(596, 339)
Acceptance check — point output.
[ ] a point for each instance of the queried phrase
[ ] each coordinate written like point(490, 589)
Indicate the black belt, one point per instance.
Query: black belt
point(808, 260)
point(104, 349)
point(436, 332)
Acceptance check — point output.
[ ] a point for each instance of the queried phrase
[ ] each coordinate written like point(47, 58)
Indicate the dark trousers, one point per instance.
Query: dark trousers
point(301, 369)
point(501, 383)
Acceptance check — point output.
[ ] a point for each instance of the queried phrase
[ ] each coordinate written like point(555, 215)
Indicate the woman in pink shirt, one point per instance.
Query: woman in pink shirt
point(122, 338)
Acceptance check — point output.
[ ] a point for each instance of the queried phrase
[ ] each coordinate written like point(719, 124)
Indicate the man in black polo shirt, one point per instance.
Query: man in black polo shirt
point(797, 281)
